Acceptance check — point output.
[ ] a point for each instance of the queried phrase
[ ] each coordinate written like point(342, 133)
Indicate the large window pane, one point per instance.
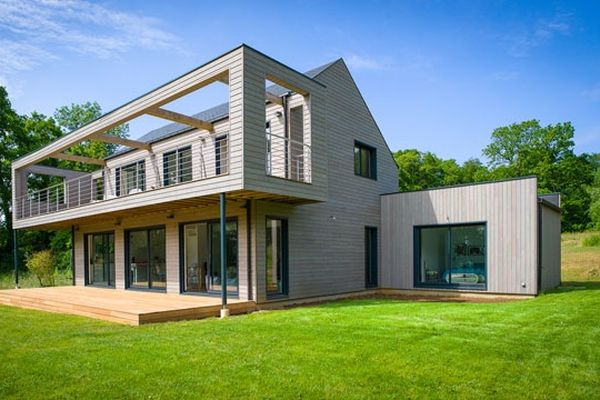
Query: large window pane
point(468, 255)
point(433, 265)
point(147, 258)
point(276, 256)
point(101, 259)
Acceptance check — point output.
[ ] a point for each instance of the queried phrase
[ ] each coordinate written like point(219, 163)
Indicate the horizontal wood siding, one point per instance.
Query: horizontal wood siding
point(508, 207)
point(234, 209)
point(550, 225)
point(257, 68)
point(327, 240)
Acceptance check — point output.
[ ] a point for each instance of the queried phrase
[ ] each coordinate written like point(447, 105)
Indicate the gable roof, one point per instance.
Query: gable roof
point(211, 115)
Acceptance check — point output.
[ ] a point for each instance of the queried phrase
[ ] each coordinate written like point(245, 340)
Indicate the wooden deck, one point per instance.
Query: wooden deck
point(123, 306)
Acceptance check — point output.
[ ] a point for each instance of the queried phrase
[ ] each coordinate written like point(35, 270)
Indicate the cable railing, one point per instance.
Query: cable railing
point(161, 170)
point(288, 159)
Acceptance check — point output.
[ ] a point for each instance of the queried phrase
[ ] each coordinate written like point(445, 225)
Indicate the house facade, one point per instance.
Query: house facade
point(278, 194)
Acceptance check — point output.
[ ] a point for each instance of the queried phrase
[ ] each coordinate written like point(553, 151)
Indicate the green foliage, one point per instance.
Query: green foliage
point(527, 148)
point(421, 170)
point(43, 265)
point(594, 193)
point(591, 241)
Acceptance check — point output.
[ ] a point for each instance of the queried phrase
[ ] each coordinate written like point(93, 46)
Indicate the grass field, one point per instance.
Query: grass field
point(546, 347)
point(579, 263)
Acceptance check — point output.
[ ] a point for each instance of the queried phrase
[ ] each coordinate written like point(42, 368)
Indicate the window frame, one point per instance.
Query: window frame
point(417, 256)
point(285, 264)
point(372, 162)
point(118, 177)
point(178, 166)
point(127, 265)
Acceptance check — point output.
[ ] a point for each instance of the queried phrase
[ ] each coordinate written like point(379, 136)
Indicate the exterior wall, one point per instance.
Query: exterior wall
point(172, 242)
point(508, 207)
point(327, 240)
point(550, 247)
point(257, 69)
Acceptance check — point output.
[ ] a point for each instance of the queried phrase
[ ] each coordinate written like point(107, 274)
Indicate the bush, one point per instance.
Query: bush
point(591, 241)
point(42, 265)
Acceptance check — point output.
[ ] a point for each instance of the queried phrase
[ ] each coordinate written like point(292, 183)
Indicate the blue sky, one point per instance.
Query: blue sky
point(438, 76)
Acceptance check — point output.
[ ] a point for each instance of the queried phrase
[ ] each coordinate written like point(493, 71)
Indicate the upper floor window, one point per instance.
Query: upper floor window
point(177, 166)
point(221, 155)
point(365, 160)
point(131, 178)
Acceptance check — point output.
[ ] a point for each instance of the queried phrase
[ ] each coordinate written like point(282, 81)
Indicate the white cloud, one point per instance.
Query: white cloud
point(592, 93)
point(520, 43)
point(34, 31)
point(358, 62)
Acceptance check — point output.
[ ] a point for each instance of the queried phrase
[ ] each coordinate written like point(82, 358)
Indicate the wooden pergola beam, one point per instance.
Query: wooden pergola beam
point(181, 118)
point(273, 99)
point(81, 159)
point(122, 141)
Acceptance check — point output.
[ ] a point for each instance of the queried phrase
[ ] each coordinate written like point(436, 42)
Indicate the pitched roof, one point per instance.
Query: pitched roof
point(211, 115)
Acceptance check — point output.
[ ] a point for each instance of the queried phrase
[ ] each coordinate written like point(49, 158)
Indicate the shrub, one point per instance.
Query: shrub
point(591, 241)
point(42, 265)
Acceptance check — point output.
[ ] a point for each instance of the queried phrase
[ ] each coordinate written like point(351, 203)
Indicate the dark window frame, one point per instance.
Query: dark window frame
point(179, 176)
point(372, 162)
point(86, 261)
point(137, 165)
point(210, 293)
point(417, 256)
point(284, 259)
point(221, 165)
point(127, 265)
point(370, 281)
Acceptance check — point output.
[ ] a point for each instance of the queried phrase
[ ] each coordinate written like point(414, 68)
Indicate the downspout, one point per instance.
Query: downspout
point(249, 241)
point(539, 248)
point(73, 252)
point(16, 258)
point(286, 133)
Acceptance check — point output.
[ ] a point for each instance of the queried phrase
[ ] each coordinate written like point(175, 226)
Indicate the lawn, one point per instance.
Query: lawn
point(546, 347)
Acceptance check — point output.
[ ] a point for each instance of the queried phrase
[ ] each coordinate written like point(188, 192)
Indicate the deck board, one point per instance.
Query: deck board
point(123, 306)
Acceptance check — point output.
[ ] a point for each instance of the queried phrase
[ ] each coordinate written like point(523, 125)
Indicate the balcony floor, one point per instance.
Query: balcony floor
point(122, 306)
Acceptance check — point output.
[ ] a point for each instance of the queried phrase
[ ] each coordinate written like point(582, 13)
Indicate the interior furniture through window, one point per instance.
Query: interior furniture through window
point(201, 256)
point(146, 258)
point(451, 256)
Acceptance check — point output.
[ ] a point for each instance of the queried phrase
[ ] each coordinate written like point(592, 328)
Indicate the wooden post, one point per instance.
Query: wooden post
point(223, 234)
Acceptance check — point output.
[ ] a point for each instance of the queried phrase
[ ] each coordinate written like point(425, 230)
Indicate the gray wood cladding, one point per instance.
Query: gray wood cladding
point(508, 207)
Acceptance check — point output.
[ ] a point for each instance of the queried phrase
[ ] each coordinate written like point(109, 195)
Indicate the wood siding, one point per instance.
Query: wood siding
point(510, 210)
point(550, 246)
point(327, 240)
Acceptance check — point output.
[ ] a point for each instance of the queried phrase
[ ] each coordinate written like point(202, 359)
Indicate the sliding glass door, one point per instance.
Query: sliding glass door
point(201, 257)
point(100, 250)
point(276, 268)
point(451, 256)
point(146, 258)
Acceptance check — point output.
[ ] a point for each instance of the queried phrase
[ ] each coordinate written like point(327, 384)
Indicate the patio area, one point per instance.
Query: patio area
point(122, 306)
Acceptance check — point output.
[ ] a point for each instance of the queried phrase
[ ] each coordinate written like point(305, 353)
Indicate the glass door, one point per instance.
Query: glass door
point(146, 258)
point(202, 257)
point(101, 262)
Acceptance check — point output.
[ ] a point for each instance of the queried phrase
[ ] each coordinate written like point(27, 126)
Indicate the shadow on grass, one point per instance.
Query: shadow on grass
point(570, 286)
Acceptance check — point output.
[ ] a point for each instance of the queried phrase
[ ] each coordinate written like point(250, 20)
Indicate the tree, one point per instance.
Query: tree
point(527, 148)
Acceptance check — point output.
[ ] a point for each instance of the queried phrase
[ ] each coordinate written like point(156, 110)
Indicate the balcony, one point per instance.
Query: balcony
point(178, 167)
point(288, 159)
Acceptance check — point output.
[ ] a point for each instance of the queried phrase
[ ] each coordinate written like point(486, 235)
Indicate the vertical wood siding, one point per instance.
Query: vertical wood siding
point(550, 247)
point(508, 207)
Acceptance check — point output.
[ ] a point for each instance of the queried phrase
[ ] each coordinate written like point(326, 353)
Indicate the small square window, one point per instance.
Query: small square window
point(365, 160)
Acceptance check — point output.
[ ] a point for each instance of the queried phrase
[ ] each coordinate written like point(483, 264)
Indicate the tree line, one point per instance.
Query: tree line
point(520, 149)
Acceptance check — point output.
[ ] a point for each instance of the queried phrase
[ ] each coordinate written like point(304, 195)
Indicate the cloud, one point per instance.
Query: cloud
point(34, 31)
point(592, 93)
point(358, 62)
point(520, 43)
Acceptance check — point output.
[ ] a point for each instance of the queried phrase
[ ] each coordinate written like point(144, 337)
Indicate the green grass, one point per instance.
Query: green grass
point(547, 347)
point(579, 262)
point(591, 241)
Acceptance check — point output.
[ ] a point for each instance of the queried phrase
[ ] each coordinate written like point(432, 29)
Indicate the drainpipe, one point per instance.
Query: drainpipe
point(16, 258)
point(286, 132)
point(224, 309)
point(73, 252)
